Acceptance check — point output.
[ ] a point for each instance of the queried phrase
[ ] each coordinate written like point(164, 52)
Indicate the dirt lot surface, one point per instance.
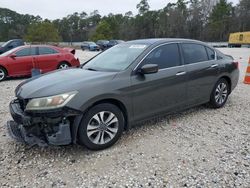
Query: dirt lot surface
point(200, 147)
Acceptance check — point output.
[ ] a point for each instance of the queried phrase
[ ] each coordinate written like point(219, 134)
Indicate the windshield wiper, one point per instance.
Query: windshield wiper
point(91, 69)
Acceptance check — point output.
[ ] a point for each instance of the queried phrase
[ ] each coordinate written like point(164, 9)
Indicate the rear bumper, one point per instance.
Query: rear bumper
point(51, 128)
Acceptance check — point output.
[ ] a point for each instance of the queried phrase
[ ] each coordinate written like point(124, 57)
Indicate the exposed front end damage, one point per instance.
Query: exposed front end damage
point(51, 127)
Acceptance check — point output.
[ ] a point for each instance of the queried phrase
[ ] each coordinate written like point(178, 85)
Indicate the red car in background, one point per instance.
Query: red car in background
point(21, 60)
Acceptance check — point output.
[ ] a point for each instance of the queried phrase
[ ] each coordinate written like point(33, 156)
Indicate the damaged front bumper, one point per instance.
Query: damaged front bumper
point(41, 128)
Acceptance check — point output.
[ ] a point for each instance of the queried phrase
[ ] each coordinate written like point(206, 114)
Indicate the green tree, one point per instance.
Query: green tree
point(14, 25)
point(244, 15)
point(103, 31)
point(42, 32)
point(219, 21)
point(195, 20)
point(143, 7)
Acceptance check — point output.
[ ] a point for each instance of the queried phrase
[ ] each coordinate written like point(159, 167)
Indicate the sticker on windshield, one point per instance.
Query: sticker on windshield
point(138, 46)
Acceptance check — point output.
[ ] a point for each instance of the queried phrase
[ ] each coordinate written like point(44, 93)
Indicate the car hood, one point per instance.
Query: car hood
point(61, 81)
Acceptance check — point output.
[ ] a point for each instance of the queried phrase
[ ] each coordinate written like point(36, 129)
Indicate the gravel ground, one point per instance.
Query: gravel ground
point(200, 147)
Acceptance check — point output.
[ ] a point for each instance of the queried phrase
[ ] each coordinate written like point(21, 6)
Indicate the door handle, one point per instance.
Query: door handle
point(180, 73)
point(214, 65)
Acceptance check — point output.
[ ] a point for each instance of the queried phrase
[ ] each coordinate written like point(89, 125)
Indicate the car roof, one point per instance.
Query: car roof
point(27, 46)
point(15, 40)
point(152, 41)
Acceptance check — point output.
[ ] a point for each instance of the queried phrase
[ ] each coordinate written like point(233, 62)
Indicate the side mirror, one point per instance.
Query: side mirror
point(149, 69)
point(10, 46)
point(13, 56)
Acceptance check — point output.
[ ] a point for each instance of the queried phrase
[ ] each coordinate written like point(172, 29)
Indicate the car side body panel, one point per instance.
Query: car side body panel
point(21, 66)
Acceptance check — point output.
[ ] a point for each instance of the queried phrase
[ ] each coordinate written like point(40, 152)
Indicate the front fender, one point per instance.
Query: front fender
point(88, 104)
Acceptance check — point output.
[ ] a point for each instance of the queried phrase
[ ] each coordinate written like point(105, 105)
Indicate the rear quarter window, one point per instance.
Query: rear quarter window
point(194, 53)
point(210, 53)
point(220, 55)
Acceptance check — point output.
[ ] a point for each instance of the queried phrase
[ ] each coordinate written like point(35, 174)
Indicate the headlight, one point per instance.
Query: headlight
point(51, 102)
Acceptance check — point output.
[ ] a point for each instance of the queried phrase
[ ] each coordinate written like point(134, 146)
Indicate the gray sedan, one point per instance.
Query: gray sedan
point(128, 83)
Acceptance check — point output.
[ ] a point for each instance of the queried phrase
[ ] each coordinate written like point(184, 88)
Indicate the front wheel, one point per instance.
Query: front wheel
point(101, 126)
point(63, 65)
point(220, 94)
point(3, 74)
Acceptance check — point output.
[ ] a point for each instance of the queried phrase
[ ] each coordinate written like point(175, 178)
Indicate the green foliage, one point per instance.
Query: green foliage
point(207, 20)
point(42, 32)
point(103, 31)
point(244, 14)
point(14, 25)
point(219, 21)
point(143, 7)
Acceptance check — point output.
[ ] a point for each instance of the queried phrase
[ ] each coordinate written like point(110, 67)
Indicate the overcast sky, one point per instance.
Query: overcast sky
point(53, 9)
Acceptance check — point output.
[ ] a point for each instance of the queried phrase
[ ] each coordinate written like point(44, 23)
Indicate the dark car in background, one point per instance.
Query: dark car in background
point(113, 43)
point(103, 44)
point(10, 45)
point(21, 60)
point(128, 83)
point(91, 46)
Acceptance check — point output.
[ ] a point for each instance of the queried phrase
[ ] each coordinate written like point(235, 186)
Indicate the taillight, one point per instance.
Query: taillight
point(236, 64)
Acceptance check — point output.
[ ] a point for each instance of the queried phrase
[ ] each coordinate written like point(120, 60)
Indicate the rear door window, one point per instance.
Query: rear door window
point(33, 51)
point(46, 51)
point(194, 53)
point(165, 56)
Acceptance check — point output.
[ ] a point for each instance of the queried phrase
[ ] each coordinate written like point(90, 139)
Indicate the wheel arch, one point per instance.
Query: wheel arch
point(228, 79)
point(116, 102)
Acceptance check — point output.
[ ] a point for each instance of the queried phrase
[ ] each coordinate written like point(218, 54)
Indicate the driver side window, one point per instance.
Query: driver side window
point(165, 56)
point(23, 52)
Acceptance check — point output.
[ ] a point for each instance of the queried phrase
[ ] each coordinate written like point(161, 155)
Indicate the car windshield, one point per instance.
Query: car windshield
point(5, 44)
point(117, 58)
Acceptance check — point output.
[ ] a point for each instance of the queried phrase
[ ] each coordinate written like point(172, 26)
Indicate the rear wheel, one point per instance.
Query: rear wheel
point(63, 65)
point(220, 94)
point(3, 74)
point(101, 126)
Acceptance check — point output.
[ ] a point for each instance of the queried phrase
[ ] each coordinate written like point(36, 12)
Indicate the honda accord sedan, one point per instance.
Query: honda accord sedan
point(128, 83)
point(21, 60)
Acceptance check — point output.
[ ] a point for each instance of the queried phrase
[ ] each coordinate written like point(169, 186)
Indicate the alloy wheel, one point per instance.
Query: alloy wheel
point(2, 74)
point(221, 93)
point(63, 66)
point(102, 127)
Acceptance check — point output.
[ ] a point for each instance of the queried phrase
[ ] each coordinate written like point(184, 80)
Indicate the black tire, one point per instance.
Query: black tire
point(3, 74)
point(63, 64)
point(88, 118)
point(218, 94)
